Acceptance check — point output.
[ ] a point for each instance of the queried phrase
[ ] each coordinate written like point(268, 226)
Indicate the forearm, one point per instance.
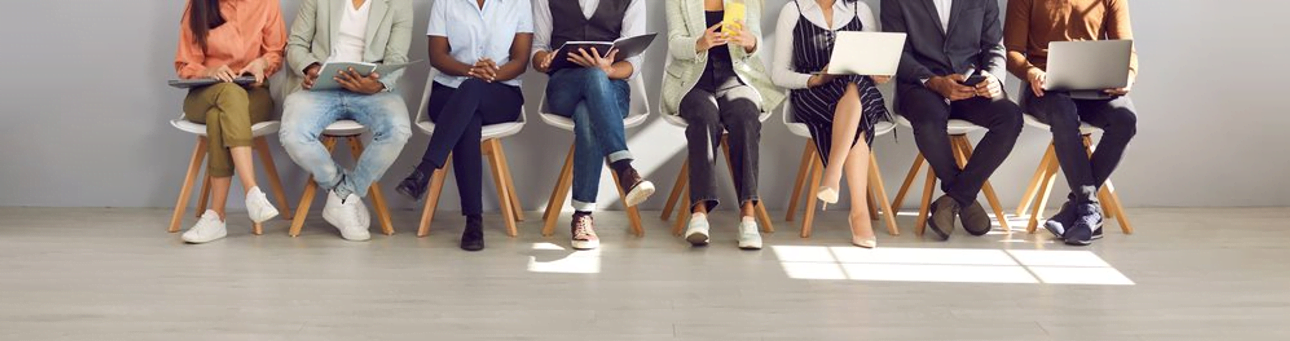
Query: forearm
point(621, 70)
point(449, 66)
point(1020, 66)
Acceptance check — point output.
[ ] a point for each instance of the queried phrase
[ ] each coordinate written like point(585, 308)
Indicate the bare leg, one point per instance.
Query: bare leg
point(846, 120)
point(219, 195)
point(857, 169)
point(245, 169)
point(748, 210)
point(700, 208)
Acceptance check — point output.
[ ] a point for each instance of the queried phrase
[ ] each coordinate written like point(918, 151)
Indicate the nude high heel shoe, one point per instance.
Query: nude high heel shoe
point(868, 243)
point(827, 195)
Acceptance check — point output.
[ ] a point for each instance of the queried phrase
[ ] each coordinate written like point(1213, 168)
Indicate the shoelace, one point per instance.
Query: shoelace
point(582, 228)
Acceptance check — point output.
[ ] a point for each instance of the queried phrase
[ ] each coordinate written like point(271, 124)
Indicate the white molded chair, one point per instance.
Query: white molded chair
point(683, 180)
point(491, 147)
point(1041, 184)
point(813, 165)
point(962, 148)
point(259, 144)
point(352, 132)
point(637, 113)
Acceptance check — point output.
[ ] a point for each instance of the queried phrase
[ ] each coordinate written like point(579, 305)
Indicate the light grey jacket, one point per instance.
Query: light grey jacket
point(686, 23)
point(389, 36)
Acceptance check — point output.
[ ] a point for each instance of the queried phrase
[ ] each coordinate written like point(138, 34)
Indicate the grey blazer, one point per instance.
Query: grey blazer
point(974, 37)
point(389, 36)
point(686, 23)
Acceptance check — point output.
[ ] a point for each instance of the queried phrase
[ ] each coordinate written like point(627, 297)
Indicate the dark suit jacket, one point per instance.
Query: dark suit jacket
point(974, 38)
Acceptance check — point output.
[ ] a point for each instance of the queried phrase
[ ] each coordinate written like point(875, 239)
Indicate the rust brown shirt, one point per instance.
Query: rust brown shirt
point(1032, 24)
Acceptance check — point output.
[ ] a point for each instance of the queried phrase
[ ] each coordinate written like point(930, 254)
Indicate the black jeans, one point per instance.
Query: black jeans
point(1115, 117)
point(459, 115)
point(732, 108)
point(930, 115)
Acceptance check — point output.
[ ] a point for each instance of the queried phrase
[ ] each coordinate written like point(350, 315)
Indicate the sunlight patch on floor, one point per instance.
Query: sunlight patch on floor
point(947, 265)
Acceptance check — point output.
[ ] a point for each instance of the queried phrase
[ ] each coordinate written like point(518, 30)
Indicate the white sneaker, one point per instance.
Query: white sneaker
point(208, 229)
point(349, 216)
point(258, 206)
point(697, 231)
point(749, 236)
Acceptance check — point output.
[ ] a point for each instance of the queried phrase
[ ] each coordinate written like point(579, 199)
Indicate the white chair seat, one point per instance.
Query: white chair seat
point(257, 130)
point(566, 123)
point(345, 128)
point(954, 127)
point(679, 121)
point(492, 131)
point(1084, 127)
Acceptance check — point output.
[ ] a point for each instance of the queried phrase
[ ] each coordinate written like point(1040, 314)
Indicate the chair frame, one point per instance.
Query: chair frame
point(962, 149)
point(494, 152)
point(259, 146)
point(311, 188)
point(1041, 187)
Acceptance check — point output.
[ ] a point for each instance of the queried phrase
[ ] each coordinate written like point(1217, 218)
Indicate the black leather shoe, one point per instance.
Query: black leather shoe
point(1064, 219)
point(414, 185)
point(472, 239)
point(975, 221)
point(944, 211)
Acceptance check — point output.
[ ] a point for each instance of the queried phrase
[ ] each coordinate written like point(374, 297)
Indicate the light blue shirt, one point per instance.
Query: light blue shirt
point(474, 33)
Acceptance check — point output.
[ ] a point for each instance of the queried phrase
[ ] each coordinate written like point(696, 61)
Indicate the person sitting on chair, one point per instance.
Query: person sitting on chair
point(839, 110)
point(716, 82)
point(480, 61)
point(944, 44)
point(372, 31)
point(225, 39)
point(1033, 24)
point(594, 93)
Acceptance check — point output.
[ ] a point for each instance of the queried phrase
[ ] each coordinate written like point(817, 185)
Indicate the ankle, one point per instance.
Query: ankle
point(621, 165)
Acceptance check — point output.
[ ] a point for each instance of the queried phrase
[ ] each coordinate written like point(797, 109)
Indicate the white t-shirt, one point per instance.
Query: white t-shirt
point(351, 39)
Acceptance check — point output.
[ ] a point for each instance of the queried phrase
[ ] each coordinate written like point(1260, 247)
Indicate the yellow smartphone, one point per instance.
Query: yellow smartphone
point(736, 12)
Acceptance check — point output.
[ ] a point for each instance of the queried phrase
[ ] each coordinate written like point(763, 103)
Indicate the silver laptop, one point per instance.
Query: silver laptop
point(1086, 68)
point(866, 53)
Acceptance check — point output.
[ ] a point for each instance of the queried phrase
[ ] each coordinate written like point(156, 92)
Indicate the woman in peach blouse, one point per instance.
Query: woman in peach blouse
point(224, 40)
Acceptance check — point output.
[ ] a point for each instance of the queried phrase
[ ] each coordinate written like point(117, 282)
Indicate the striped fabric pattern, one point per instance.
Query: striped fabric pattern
point(812, 48)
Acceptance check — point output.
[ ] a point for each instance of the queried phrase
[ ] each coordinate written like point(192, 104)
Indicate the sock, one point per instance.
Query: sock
point(426, 167)
point(621, 165)
point(581, 213)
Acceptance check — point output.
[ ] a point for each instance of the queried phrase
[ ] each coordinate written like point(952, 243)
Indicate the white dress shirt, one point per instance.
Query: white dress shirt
point(943, 8)
point(782, 72)
point(634, 22)
point(352, 37)
point(475, 33)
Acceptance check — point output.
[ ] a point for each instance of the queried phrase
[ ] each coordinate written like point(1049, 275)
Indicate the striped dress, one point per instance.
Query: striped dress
point(812, 49)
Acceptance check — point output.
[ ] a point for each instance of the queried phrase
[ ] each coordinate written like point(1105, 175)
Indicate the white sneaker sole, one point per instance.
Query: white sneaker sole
point(697, 238)
point(585, 245)
point(218, 236)
point(265, 215)
point(639, 194)
point(750, 245)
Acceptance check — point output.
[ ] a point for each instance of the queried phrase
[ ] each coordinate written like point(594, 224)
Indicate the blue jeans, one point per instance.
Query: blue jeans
point(307, 113)
point(597, 106)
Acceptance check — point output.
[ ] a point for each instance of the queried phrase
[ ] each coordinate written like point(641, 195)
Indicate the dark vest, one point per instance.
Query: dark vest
point(570, 25)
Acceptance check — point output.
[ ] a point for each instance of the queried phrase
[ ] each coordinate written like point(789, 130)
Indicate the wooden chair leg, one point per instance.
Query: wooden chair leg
point(1041, 201)
point(804, 169)
point(307, 198)
point(1111, 206)
point(678, 190)
point(378, 198)
point(682, 217)
point(633, 214)
point(817, 172)
point(499, 183)
point(929, 186)
point(203, 196)
point(516, 207)
point(1033, 188)
point(965, 149)
point(1120, 216)
point(194, 166)
point(275, 181)
point(909, 180)
point(766, 224)
point(880, 190)
point(873, 207)
point(432, 197)
point(558, 194)
point(1108, 209)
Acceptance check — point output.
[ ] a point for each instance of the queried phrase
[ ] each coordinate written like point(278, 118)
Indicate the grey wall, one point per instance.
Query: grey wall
point(1211, 100)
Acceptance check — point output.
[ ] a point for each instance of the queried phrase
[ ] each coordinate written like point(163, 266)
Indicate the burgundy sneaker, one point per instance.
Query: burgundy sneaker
point(584, 234)
point(638, 190)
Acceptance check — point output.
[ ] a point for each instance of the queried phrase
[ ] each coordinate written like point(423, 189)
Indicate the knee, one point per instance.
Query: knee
point(1123, 123)
point(1010, 122)
point(230, 93)
point(472, 85)
point(294, 136)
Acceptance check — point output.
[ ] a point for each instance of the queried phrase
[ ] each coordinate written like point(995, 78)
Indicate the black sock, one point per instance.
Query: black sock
point(621, 165)
point(581, 213)
point(427, 167)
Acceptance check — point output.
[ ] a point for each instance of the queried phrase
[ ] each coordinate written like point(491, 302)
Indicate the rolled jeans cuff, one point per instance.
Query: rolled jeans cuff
point(584, 206)
point(620, 155)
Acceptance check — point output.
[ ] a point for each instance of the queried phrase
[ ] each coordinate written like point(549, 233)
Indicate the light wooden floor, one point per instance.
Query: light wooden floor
point(114, 274)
